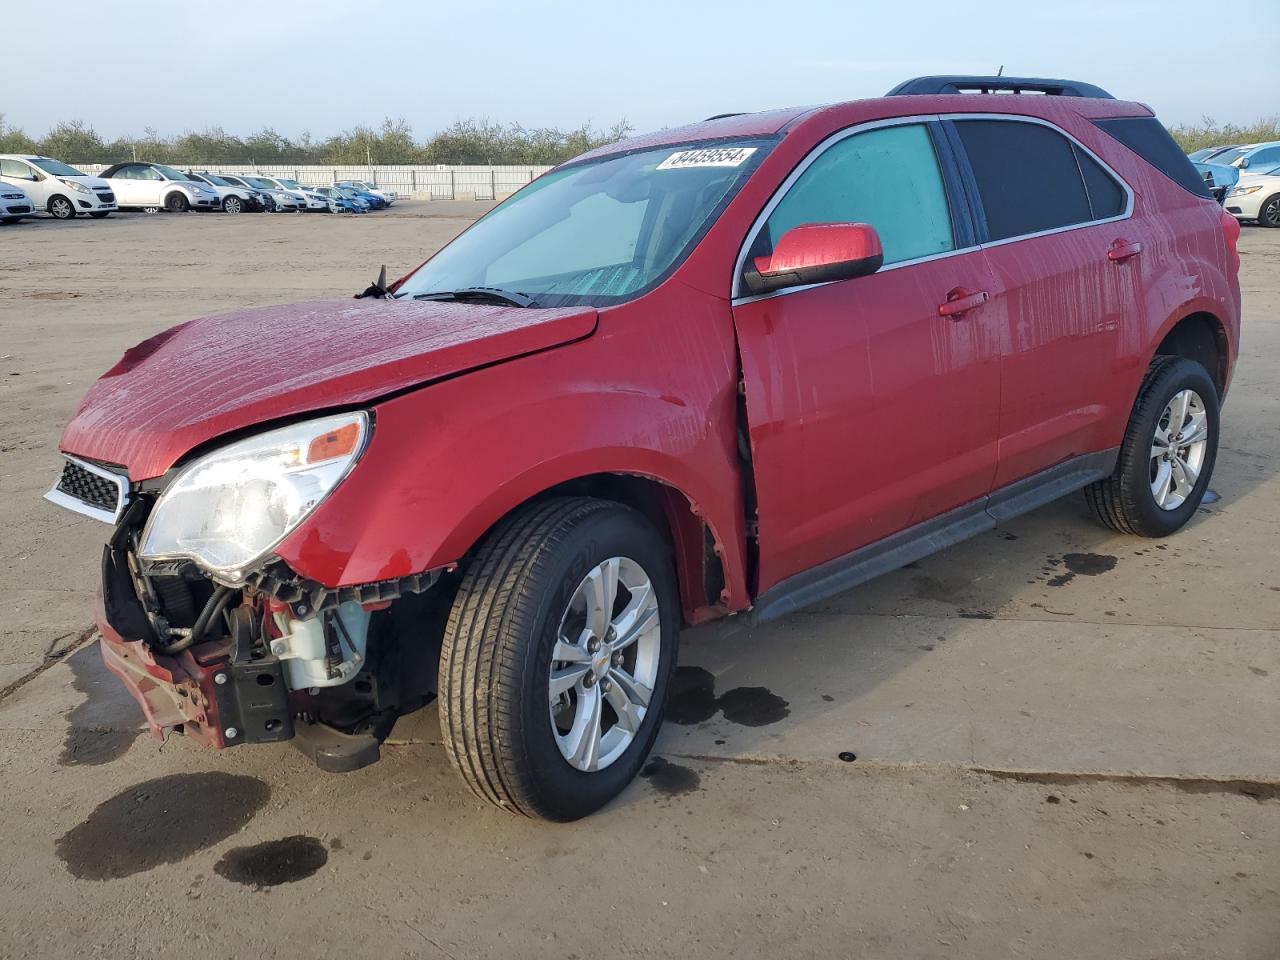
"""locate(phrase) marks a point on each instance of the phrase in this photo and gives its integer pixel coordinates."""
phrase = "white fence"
(437, 182)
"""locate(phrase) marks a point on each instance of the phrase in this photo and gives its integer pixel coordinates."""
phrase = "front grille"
(107, 196)
(91, 489)
(20, 209)
(11, 196)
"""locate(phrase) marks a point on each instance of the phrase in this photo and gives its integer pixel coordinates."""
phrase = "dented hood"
(221, 374)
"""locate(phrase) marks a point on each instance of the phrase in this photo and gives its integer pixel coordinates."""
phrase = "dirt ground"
(1051, 741)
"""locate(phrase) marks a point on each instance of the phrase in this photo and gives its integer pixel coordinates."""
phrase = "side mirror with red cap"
(816, 253)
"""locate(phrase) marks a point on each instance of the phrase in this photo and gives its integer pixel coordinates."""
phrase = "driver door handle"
(1122, 250)
(960, 301)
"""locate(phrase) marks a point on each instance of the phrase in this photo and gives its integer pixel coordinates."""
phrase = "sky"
(325, 65)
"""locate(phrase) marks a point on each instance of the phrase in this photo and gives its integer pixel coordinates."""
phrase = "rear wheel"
(60, 208)
(1167, 455)
(556, 658)
(177, 202)
(1269, 211)
(232, 204)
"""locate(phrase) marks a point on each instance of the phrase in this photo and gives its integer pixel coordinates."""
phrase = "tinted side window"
(1027, 177)
(888, 177)
(1147, 137)
(1106, 197)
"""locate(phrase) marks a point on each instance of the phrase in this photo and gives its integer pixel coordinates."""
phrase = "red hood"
(220, 374)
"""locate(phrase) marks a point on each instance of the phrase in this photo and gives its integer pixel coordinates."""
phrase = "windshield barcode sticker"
(707, 157)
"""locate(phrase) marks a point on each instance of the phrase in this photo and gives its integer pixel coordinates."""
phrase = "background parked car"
(235, 198)
(355, 197)
(155, 186)
(1220, 178)
(315, 202)
(284, 200)
(339, 203)
(53, 186)
(1257, 196)
(15, 204)
(264, 196)
(388, 197)
(1248, 155)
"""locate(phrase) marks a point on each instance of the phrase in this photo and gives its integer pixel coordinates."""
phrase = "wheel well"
(57, 196)
(693, 546)
(1199, 337)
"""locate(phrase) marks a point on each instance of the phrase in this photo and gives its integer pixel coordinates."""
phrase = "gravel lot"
(1067, 742)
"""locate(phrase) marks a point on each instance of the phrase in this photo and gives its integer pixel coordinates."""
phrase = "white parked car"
(15, 204)
(1257, 196)
(276, 200)
(155, 186)
(235, 197)
(315, 202)
(53, 186)
(285, 198)
(390, 196)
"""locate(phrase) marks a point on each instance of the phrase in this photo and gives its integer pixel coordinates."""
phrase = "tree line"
(465, 142)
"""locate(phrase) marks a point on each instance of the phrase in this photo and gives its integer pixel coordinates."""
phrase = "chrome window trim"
(737, 298)
(75, 505)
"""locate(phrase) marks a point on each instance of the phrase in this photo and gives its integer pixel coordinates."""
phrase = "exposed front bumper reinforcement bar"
(201, 691)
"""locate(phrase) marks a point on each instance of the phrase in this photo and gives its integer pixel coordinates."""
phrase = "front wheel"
(1167, 455)
(61, 208)
(177, 202)
(232, 205)
(557, 655)
(1269, 212)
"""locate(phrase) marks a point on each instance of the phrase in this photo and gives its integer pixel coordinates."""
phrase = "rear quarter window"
(1147, 137)
(1027, 176)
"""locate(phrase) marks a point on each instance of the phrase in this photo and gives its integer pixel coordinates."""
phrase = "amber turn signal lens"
(337, 443)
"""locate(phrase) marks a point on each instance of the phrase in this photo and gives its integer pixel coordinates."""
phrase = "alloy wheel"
(605, 664)
(1271, 212)
(1178, 449)
(61, 208)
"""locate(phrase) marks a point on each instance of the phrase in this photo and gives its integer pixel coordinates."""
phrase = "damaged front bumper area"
(277, 657)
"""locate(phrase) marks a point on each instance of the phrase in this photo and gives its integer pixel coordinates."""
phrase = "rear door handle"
(960, 301)
(1123, 249)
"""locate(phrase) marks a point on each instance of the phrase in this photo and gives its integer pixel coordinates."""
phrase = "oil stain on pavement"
(1084, 565)
(104, 726)
(274, 862)
(693, 700)
(670, 778)
(160, 821)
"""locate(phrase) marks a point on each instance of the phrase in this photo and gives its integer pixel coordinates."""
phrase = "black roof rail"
(963, 84)
(721, 116)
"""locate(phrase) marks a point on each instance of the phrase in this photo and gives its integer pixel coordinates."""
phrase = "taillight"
(1231, 230)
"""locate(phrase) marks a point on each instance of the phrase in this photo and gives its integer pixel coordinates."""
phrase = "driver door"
(869, 411)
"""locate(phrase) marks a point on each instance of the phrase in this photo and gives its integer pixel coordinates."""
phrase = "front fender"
(448, 461)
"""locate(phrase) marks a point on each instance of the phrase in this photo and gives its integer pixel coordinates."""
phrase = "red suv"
(724, 370)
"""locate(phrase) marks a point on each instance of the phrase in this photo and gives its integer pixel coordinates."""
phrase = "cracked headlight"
(230, 507)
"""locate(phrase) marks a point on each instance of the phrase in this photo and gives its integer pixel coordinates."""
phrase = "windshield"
(169, 173)
(594, 233)
(57, 168)
(1227, 156)
(220, 181)
(291, 184)
(262, 182)
(347, 192)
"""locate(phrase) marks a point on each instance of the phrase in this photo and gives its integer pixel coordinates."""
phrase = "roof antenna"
(1000, 72)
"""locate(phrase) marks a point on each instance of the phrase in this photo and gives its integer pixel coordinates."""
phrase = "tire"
(60, 208)
(232, 204)
(1126, 501)
(177, 202)
(100, 214)
(1269, 211)
(496, 658)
